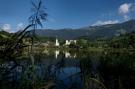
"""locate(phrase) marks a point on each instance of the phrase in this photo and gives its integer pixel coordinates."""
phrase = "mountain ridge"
(106, 31)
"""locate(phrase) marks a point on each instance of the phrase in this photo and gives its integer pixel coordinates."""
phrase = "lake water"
(69, 70)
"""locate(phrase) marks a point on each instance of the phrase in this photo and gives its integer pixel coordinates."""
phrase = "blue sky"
(67, 13)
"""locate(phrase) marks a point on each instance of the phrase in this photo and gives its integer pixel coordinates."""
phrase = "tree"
(38, 14)
(37, 17)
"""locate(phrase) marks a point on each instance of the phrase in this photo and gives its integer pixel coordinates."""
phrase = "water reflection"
(57, 52)
(66, 53)
(71, 70)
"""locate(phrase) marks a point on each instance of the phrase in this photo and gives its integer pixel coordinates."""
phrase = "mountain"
(4, 34)
(92, 32)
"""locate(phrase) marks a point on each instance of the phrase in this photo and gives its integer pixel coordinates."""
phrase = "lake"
(72, 69)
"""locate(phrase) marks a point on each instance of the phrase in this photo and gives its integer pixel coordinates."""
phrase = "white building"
(57, 43)
(68, 42)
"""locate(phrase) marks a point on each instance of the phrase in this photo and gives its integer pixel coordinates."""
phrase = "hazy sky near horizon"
(67, 13)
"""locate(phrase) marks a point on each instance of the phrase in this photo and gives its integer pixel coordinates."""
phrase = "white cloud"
(20, 26)
(98, 23)
(125, 8)
(126, 17)
(6, 27)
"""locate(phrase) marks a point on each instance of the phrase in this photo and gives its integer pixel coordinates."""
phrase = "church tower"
(57, 42)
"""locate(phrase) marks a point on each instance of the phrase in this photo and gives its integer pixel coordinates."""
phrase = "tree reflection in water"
(89, 70)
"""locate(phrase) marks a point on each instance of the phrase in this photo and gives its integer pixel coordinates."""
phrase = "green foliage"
(83, 43)
(123, 41)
